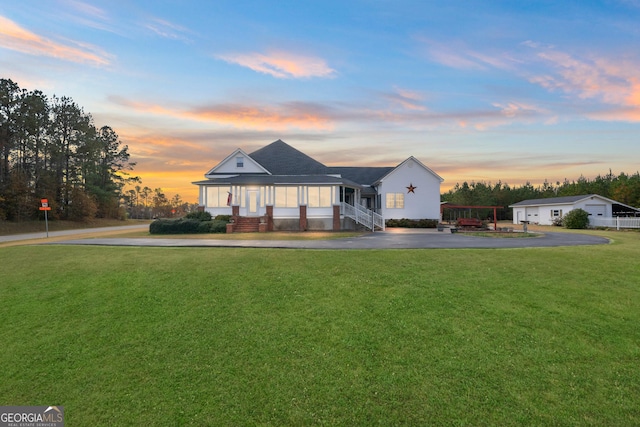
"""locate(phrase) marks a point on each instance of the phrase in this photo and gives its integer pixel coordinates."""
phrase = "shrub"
(199, 215)
(215, 226)
(186, 226)
(412, 223)
(557, 221)
(225, 218)
(576, 219)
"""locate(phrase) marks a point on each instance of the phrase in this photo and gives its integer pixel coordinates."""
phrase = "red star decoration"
(411, 188)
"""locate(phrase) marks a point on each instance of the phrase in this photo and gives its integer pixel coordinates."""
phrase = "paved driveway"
(43, 235)
(392, 239)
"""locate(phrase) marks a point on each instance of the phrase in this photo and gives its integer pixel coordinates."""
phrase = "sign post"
(45, 207)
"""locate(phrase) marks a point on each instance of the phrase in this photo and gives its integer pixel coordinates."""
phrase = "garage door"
(596, 210)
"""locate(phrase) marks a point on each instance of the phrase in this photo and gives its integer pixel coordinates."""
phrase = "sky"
(510, 91)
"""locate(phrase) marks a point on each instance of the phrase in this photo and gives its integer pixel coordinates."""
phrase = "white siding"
(543, 214)
(422, 203)
(230, 166)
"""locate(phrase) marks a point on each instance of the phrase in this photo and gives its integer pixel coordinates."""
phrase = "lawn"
(230, 336)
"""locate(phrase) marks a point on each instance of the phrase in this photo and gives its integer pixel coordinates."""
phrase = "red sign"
(45, 205)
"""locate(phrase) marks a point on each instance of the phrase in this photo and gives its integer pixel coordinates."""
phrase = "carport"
(461, 211)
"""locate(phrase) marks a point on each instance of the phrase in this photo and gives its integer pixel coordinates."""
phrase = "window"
(395, 200)
(286, 197)
(319, 197)
(555, 213)
(217, 196)
(239, 162)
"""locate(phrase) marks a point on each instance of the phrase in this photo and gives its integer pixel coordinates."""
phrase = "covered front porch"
(252, 214)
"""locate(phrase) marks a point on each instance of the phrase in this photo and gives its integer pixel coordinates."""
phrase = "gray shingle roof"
(280, 158)
(362, 175)
(553, 200)
(288, 165)
(257, 179)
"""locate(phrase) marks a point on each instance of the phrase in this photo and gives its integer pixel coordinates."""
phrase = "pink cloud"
(407, 99)
(614, 82)
(285, 116)
(14, 37)
(282, 65)
(514, 109)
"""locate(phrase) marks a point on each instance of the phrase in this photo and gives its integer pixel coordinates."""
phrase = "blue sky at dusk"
(477, 90)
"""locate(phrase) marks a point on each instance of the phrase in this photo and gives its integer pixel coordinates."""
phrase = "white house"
(544, 211)
(284, 189)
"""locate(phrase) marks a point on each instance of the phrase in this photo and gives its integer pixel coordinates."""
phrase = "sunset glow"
(478, 91)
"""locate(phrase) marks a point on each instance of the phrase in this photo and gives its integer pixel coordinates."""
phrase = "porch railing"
(615, 222)
(364, 216)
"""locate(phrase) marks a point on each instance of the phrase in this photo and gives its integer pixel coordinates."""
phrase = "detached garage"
(544, 211)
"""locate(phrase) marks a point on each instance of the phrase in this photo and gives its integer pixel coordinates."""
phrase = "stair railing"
(364, 216)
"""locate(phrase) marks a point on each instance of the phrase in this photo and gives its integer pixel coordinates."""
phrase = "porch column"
(303, 217)
(336, 217)
(235, 212)
(269, 217)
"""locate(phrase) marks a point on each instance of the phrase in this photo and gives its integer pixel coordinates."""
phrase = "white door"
(532, 215)
(596, 210)
(253, 201)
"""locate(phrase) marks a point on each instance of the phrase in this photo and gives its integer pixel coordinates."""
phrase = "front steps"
(246, 224)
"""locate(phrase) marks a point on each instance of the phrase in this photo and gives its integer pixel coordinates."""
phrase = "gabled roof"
(411, 158)
(227, 161)
(279, 162)
(280, 158)
(567, 200)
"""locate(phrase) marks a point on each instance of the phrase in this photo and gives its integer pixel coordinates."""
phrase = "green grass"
(226, 336)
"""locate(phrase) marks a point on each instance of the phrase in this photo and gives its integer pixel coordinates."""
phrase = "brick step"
(246, 229)
(246, 224)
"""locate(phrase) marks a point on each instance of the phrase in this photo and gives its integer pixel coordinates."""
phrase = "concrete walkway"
(391, 239)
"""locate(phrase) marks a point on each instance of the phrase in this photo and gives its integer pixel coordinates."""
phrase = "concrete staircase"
(246, 224)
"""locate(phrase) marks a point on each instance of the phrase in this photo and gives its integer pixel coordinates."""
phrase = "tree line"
(145, 203)
(51, 149)
(624, 188)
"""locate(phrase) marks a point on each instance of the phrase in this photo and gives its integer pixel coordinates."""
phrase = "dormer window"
(239, 162)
